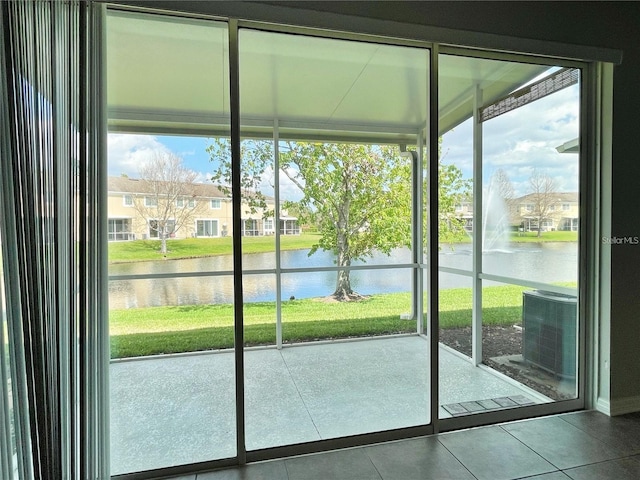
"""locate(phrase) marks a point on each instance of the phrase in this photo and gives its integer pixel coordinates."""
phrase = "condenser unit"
(549, 324)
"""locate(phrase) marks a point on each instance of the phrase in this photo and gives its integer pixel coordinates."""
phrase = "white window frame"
(208, 220)
(190, 202)
(217, 202)
(152, 231)
(127, 200)
(150, 201)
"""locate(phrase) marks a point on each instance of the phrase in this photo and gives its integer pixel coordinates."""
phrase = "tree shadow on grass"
(215, 338)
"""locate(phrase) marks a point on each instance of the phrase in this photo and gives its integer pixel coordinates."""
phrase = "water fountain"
(495, 220)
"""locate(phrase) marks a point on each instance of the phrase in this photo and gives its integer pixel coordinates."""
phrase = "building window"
(189, 202)
(250, 228)
(207, 228)
(216, 204)
(268, 224)
(552, 208)
(529, 207)
(150, 202)
(120, 230)
(127, 200)
(156, 230)
(289, 227)
(566, 207)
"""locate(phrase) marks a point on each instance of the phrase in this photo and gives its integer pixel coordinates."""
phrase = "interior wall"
(600, 24)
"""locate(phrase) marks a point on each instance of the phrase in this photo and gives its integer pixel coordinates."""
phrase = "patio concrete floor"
(176, 409)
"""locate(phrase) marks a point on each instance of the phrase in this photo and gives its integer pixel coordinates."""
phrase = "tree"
(503, 184)
(543, 195)
(170, 197)
(453, 189)
(500, 187)
(358, 196)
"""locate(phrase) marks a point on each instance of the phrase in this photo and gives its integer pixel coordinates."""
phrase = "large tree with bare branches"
(169, 199)
(543, 196)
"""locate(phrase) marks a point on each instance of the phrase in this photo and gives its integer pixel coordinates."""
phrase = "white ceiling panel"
(170, 75)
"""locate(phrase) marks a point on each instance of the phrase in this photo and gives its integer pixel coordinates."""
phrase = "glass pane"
(456, 198)
(530, 189)
(524, 144)
(168, 217)
(340, 182)
(149, 383)
(455, 313)
(530, 336)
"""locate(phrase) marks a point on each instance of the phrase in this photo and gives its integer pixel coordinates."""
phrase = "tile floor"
(579, 446)
(297, 394)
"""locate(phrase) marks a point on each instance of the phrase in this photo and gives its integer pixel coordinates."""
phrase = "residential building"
(556, 211)
(204, 211)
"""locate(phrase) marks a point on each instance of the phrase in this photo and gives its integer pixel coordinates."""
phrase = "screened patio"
(323, 390)
(169, 410)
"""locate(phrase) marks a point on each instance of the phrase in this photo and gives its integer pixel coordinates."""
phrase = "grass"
(145, 250)
(557, 236)
(156, 330)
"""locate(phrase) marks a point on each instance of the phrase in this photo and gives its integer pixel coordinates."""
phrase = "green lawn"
(149, 331)
(545, 237)
(143, 250)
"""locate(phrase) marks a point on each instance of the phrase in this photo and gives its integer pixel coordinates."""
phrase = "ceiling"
(168, 75)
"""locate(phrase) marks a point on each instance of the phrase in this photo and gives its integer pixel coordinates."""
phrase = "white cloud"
(127, 153)
(524, 139)
(288, 189)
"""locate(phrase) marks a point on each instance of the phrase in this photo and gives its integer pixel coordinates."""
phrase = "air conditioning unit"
(550, 326)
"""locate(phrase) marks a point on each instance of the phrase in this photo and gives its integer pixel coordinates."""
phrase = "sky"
(518, 142)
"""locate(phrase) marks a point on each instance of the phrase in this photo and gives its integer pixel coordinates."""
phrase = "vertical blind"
(52, 387)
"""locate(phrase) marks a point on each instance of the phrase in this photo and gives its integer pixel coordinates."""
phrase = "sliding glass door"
(171, 271)
(268, 223)
(333, 135)
(509, 276)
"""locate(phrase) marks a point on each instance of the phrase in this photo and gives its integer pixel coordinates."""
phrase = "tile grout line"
(561, 417)
(454, 456)
(364, 450)
(527, 446)
(286, 469)
(295, 384)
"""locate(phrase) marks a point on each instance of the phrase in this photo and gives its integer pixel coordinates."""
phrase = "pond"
(541, 262)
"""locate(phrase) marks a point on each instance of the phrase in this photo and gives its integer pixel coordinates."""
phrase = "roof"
(566, 197)
(124, 185)
(137, 186)
(168, 75)
(572, 146)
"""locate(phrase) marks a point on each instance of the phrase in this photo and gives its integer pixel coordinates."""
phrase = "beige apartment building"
(557, 211)
(202, 211)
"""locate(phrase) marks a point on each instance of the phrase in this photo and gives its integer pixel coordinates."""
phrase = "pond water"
(541, 262)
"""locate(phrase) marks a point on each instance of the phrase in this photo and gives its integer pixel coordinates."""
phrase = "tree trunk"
(163, 241)
(343, 292)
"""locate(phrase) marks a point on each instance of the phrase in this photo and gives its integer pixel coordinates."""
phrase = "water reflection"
(548, 262)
